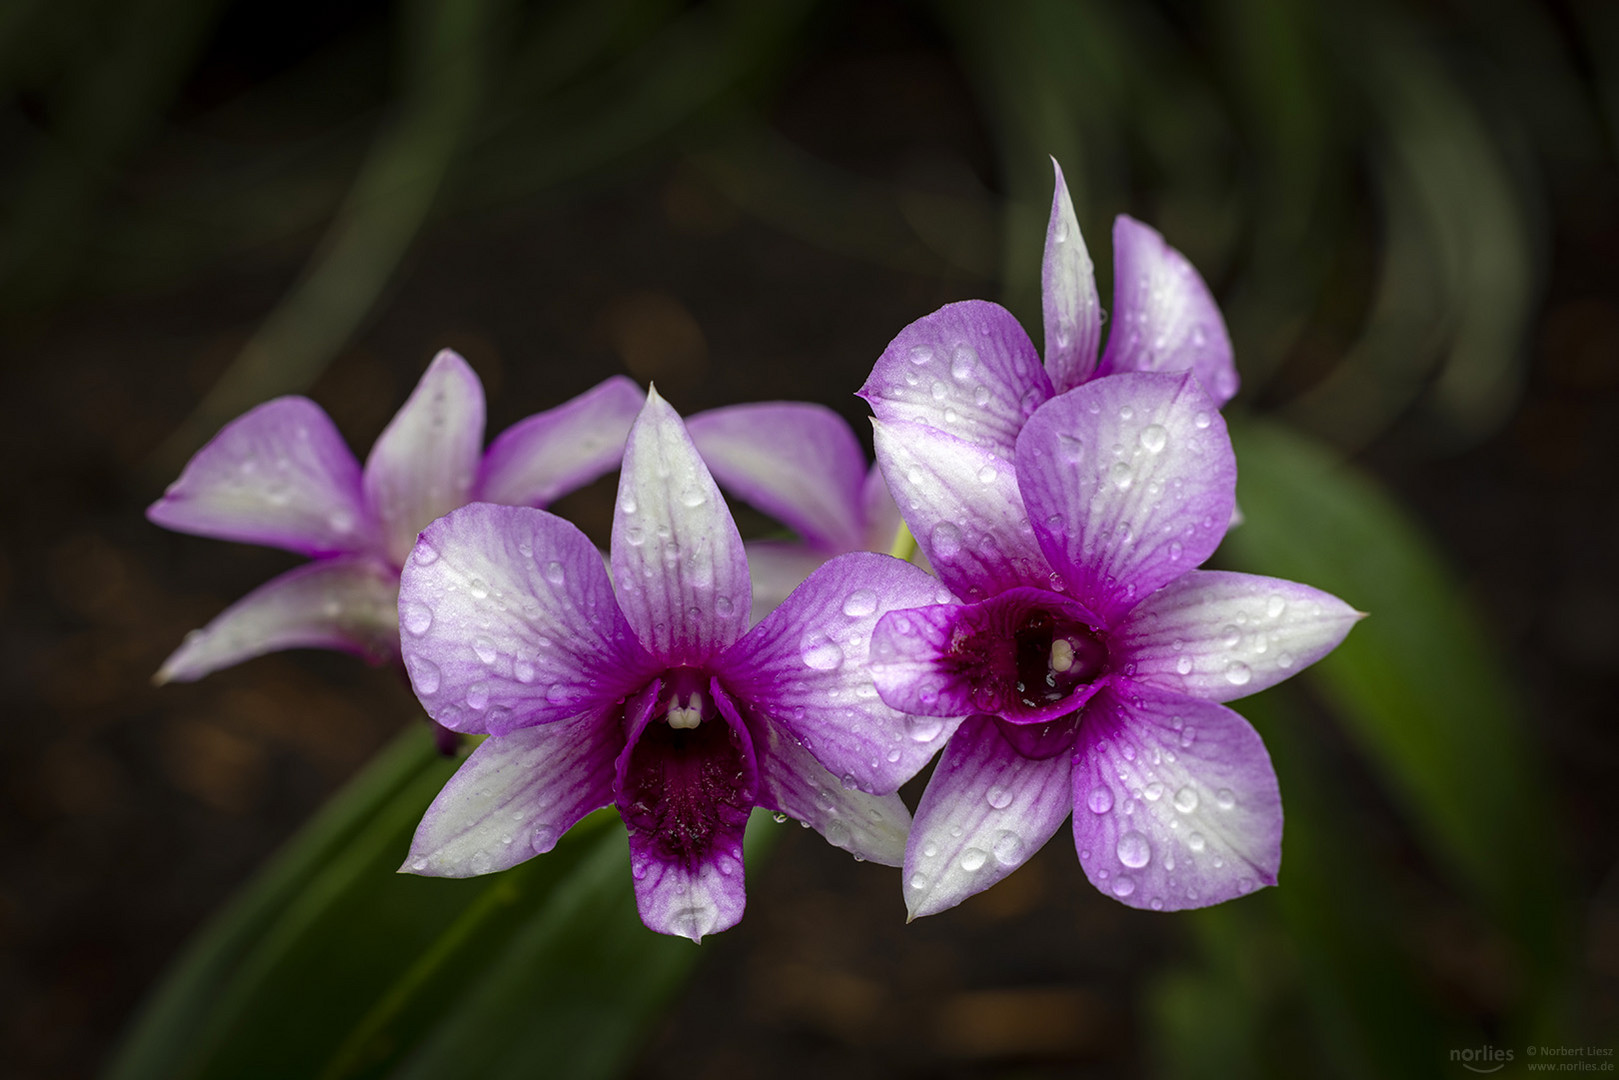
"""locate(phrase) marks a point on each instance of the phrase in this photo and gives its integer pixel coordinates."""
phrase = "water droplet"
(919, 881)
(999, 798)
(416, 617)
(523, 671)
(1126, 413)
(820, 653)
(962, 361)
(1154, 438)
(1202, 420)
(1225, 798)
(1183, 666)
(1153, 791)
(921, 354)
(1195, 841)
(1008, 848)
(1237, 673)
(1186, 799)
(692, 497)
(477, 696)
(485, 649)
(1100, 800)
(425, 553)
(987, 474)
(973, 858)
(860, 603)
(635, 536)
(1284, 660)
(946, 540)
(1274, 606)
(981, 395)
(1175, 551)
(558, 694)
(554, 573)
(477, 588)
(924, 729)
(837, 834)
(424, 674)
(419, 864)
(894, 756)
(1133, 850)
(939, 390)
(1121, 475)
(1123, 886)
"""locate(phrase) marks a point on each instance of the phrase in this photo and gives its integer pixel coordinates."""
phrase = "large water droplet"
(1154, 437)
(921, 354)
(1008, 848)
(424, 674)
(1195, 841)
(919, 881)
(1133, 850)
(477, 696)
(523, 671)
(946, 540)
(1100, 800)
(987, 474)
(1225, 798)
(962, 361)
(820, 653)
(485, 649)
(1183, 666)
(860, 603)
(1186, 799)
(973, 858)
(692, 497)
(999, 798)
(1121, 475)
(924, 729)
(1237, 673)
(1123, 886)
(554, 573)
(415, 617)
(1274, 606)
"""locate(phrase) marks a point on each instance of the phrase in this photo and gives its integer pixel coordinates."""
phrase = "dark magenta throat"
(1029, 660)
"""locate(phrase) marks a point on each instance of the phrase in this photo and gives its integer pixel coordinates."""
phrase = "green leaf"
(1417, 685)
(331, 964)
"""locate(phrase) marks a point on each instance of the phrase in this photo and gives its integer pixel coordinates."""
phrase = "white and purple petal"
(1218, 635)
(425, 462)
(1164, 318)
(678, 561)
(685, 795)
(516, 795)
(968, 369)
(1129, 482)
(795, 461)
(805, 669)
(279, 475)
(963, 505)
(1072, 311)
(543, 457)
(986, 810)
(507, 619)
(1175, 801)
(349, 603)
(792, 782)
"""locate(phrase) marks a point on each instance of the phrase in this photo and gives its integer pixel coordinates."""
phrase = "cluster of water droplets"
(1253, 637)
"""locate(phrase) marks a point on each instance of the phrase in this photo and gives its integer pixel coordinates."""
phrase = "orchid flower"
(1089, 656)
(648, 691)
(281, 475)
(970, 369)
(799, 463)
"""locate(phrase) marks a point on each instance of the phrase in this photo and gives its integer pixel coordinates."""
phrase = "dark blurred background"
(1408, 208)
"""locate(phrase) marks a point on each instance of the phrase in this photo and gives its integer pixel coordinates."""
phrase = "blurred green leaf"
(333, 965)
(1418, 687)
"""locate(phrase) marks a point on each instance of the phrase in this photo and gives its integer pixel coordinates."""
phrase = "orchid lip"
(1032, 657)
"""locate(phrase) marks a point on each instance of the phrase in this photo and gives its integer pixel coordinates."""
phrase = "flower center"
(1055, 656)
(1028, 657)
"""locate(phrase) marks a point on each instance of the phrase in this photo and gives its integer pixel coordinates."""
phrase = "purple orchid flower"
(801, 464)
(1090, 656)
(970, 369)
(644, 691)
(281, 475)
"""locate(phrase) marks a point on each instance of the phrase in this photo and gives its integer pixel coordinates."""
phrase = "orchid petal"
(964, 508)
(1175, 802)
(348, 603)
(279, 475)
(1217, 635)
(911, 665)
(685, 796)
(677, 558)
(986, 810)
(507, 619)
(882, 517)
(777, 568)
(805, 668)
(1072, 310)
(792, 782)
(968, 369)
(516, 795)
(540, 459)
(424, 463)
(795, 461)
(1129, 483)
(1164, 318)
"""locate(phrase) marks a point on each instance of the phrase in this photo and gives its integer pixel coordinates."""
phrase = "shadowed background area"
(1409, 212)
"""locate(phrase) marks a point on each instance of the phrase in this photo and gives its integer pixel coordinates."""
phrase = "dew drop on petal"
(724, 607)
(820, 653)
(1186, 799)
(946, 540)
(962, 361)
(1275, 606)
(999, 798)
(921, 354)
(554, 573)
(425, 553)
(973, 858)
(1008, 848)
(981, 395)
(1123, 886)
(1121, 475)
(860, 603)
(1183, 666)
(1133, 850)
(987, 474)
(485, 649)
(416, 617)
(1195, 841)
(1100, 800)
(1202, 420)
(557, 694)
(477, 696)
(692, 497)
(1154, 438)
(477, 588)
(424, 673)
(1153, 791)
(1225, 799)
(919, 881)
(1237, 673)
(923, 729)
